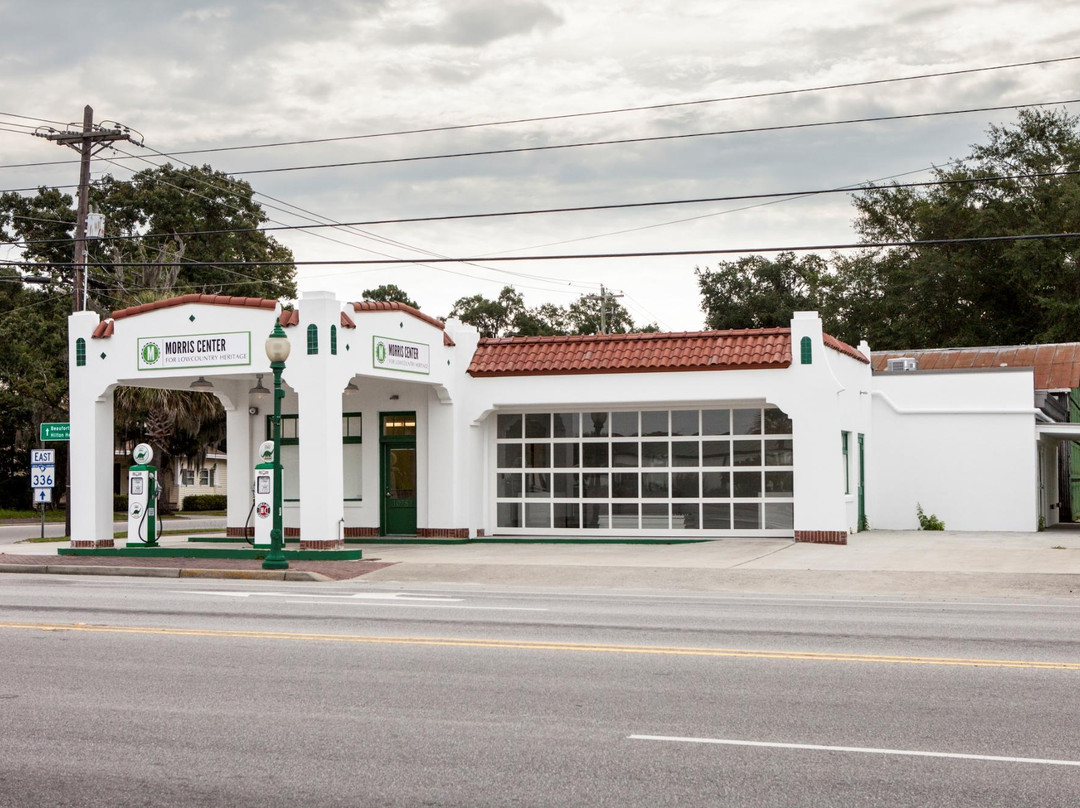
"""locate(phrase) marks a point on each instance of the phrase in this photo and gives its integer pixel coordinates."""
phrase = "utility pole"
(603, 297)
(87, 142)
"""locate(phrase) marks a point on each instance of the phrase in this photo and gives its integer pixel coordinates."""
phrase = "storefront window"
(719, 469)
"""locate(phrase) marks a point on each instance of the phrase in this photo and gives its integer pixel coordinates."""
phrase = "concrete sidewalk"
(902, 563)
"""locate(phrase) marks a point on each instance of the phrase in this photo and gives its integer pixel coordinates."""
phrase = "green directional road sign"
(56, 432)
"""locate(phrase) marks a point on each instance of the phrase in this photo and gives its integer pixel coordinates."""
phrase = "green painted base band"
(484, 540)
(209, 552)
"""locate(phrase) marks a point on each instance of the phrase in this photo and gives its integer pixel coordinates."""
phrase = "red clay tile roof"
(841, 346)
(380, 305)
(747, 349)
(213, 300)
(290, 317)
(1057, 366)
(103, 330)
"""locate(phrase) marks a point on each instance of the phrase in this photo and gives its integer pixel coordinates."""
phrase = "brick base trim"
(92, 543)
(322, 544)
(239, 532)
(442, 533)
(480, 534)
(292, 533)
(822, 536)
(361, 533)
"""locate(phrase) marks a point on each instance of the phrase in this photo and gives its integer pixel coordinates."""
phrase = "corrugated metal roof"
(1056, 365)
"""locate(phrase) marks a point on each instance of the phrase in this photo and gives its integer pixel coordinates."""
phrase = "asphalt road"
(164, 692)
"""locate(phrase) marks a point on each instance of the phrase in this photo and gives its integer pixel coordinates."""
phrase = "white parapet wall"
(961, 444)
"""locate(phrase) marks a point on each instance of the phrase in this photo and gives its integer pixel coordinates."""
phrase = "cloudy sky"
(249, 72)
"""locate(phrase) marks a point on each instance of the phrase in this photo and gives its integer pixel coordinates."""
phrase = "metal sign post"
(42, 478)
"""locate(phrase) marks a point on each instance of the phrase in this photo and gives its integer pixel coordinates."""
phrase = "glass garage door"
(644, 471)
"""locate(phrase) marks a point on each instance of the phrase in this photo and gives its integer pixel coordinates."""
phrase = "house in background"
(189, 478)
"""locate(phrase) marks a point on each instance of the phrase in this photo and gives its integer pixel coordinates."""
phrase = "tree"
(508, 316)
(986, 293)
(757, 292)
(175, 222)
(584, 317)
(975, 293)
(186, 220)
(390, 293)
(176, 423)
(492, 318)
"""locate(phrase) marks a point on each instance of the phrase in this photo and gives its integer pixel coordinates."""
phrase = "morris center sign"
(195, 351)
(400, 355)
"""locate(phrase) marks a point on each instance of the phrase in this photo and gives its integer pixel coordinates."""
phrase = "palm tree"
(178, 424)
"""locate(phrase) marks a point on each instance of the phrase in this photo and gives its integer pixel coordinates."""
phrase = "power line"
(595, 113)
(651, 139)
(47, 120)
(651, 254)
(777, 195)
(336, 225)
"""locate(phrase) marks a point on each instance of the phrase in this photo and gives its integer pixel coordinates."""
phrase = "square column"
(820, 515)
(92, 458)
(239, 453)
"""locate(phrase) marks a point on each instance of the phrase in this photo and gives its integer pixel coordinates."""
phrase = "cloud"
(481, 23)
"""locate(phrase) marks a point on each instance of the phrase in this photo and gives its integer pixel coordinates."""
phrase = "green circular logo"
(380, 352)
(150, 353)
(142, 454)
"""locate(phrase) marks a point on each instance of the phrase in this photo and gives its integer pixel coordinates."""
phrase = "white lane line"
(384, 596)
(857, 749)
(424, 606)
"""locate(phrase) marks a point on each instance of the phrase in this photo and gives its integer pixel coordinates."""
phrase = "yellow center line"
(528, 645)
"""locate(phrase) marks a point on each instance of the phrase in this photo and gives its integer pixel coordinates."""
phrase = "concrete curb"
(166, 572)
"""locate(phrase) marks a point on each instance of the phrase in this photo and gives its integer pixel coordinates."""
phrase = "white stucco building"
(398, 425)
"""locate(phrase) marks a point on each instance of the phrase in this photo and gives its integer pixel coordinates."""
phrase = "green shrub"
(205, 502)
(120, 503)
(930, 522)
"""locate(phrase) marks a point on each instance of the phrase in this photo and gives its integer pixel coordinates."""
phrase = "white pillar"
(236, 401)
(447, 512)
(820, 515)
(319, 380)
(90, 408)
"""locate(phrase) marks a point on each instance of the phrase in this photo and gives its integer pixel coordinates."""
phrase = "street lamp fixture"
(277, 351)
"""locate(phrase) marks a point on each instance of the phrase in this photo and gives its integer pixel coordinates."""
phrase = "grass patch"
(11, 514)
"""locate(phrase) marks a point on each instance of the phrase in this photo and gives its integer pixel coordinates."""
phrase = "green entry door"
(398, 445)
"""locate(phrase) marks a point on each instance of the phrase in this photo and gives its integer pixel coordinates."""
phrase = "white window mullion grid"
(540, 510)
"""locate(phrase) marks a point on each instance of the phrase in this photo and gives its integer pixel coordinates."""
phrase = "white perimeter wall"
(962, 444)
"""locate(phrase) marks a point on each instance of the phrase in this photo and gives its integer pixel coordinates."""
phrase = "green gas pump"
(142, 499)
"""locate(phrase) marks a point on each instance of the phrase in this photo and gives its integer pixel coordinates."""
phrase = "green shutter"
(847, 465)
(312, 339)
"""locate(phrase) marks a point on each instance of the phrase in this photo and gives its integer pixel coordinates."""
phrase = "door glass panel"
(403, 473)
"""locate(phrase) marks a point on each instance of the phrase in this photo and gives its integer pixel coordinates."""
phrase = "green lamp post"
(277, 351)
